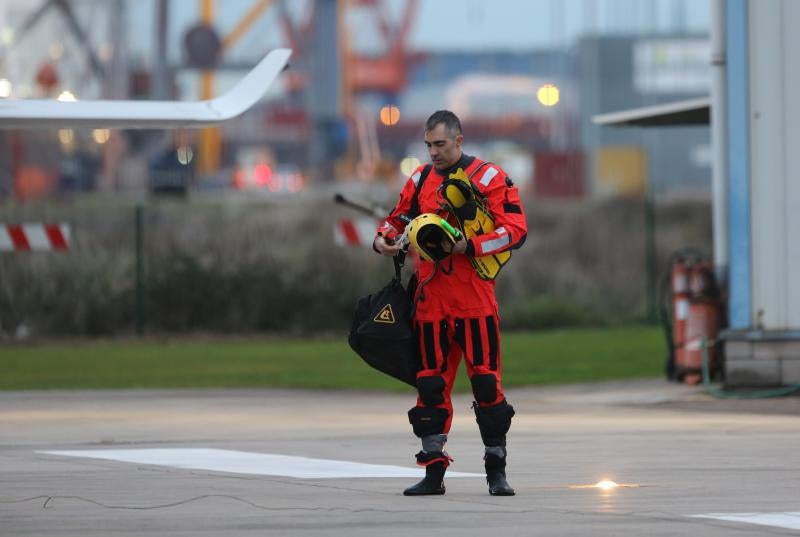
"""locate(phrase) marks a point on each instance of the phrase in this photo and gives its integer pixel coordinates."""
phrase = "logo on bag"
(386, 315)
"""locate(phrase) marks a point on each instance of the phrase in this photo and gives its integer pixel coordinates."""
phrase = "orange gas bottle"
(704, 322)
(679, 290)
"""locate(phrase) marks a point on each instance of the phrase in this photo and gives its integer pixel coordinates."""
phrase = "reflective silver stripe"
(488, 247)
(488, 176)
(416, 177)
(434, 442)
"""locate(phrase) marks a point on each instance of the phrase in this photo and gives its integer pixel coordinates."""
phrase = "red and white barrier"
(34, 237)
(348, 232)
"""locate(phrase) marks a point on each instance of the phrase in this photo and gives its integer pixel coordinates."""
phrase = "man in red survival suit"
(456, 310)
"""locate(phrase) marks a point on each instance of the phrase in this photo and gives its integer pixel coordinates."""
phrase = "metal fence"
(182, 266)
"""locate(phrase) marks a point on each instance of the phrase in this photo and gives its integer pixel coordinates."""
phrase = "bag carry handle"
(399, 261)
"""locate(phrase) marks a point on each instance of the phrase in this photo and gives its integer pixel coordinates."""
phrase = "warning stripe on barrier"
(34, 237)
(348, 232)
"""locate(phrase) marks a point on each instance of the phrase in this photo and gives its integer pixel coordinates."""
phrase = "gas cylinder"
(703, 323)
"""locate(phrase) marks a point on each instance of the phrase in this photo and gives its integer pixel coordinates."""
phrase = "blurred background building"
(364, 76)
(234, 229)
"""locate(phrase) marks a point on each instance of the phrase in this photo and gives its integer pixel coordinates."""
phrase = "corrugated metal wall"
(775, 161)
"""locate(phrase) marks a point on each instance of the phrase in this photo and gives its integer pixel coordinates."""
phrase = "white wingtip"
(34, 113)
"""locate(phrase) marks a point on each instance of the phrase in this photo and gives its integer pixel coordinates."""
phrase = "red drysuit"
(456, 311)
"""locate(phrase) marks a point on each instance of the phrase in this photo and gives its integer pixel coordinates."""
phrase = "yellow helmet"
(428, 233)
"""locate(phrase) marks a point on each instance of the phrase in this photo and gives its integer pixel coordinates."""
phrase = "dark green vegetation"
(270, 266)
(552, 357)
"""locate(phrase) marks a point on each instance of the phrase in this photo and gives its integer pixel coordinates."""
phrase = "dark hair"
(452, 124)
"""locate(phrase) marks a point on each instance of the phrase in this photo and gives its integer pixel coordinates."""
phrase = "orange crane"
(387, 73)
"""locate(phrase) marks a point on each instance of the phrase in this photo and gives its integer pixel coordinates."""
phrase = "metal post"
(323, 92)
(161, 87)
(139, 269)
(719, 127)
(210, 138)
(650, 251)
(120, 64)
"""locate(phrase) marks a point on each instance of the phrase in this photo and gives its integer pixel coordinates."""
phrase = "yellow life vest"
(461, 198)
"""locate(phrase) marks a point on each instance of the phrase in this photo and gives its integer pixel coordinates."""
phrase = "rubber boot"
(432, 484)
(496, 475)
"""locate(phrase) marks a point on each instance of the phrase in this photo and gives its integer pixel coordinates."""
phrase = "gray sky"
(443, 25)
(451, 24)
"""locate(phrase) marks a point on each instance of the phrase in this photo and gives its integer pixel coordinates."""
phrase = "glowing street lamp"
(408, 165)
(390, 115)
(548, 94)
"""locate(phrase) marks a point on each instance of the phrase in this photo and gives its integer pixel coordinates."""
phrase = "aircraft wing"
(48, 113)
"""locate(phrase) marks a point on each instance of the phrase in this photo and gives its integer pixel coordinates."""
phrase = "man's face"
(443, 149)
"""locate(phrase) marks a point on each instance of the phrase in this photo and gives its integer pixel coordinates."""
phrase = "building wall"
(762, 346)
(775, 162)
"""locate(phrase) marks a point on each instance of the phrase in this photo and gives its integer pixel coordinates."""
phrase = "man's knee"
(431, 390)
(494, 422)
(484, 388)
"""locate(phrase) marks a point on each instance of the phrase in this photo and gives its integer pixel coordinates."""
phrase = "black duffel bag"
(382, 332)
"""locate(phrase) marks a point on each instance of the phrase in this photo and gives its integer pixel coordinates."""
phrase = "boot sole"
(502, 493)
(432, 493)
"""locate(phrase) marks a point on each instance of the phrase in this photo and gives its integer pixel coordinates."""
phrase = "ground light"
(606, 485)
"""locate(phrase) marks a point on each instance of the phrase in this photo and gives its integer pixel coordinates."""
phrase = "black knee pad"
(427, 420)
(484, 387)
(431, 390)
(494, 422)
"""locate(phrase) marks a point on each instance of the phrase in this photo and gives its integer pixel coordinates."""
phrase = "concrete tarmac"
(680, 452)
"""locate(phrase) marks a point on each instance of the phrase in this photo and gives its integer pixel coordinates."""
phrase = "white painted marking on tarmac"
(242, 462)
(789, 520)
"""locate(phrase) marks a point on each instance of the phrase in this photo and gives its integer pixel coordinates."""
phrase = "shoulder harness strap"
(478, 168)
(414, 210)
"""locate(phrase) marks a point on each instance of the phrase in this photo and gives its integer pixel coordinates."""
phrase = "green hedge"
(271, 266)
